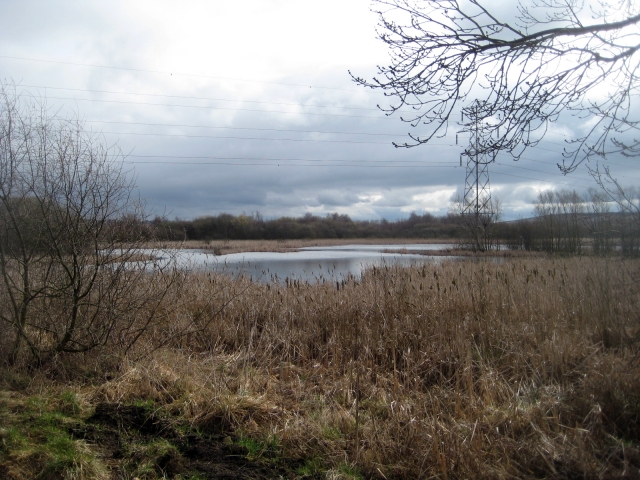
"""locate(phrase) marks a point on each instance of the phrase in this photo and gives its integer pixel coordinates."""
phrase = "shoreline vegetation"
(563, 222)
(226, 247)
(526, 368)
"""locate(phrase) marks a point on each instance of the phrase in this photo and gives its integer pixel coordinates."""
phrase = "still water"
(311, 264)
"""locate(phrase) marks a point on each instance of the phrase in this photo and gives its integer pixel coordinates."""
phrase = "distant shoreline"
(225, 247)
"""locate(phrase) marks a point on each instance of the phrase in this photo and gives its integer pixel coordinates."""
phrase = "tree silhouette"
(527, 67)
(72, 277)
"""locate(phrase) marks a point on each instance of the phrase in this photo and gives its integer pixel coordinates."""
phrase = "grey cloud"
(337, 199)
(277, 177)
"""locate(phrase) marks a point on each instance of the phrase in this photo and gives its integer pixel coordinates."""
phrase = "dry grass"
(463, 252)
(524, 368)
(501, 368)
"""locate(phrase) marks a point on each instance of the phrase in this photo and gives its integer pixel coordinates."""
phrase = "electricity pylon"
(477, 191)
(477, 207)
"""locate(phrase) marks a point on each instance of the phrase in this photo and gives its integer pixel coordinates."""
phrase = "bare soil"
(114, 428)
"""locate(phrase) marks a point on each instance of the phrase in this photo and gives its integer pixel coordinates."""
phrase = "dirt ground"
(115, 429)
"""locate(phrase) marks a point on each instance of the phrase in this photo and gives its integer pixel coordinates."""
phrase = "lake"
(310, 264)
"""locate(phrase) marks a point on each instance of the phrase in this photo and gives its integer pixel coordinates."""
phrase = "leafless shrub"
(71, 229)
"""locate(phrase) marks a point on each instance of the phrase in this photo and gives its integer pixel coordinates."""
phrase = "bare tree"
(599, 222)
(71, 272)
(626, 226)
(478, 230)
(571, 210)
(559, 217)
(528, 67)
(546, 212)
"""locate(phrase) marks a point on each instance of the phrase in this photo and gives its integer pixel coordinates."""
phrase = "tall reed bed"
(487, 369)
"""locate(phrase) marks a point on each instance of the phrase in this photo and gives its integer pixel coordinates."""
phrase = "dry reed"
(516, 368)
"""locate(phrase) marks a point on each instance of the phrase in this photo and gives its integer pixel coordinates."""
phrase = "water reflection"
(310, 264)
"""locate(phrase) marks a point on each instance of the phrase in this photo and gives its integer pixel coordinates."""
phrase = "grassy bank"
(521, 368)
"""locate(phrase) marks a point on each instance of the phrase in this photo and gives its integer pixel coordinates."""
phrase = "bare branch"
(550, 57)
(71, 232)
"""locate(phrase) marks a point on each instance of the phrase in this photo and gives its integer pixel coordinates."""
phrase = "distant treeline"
(566, 222)
(563, 222)
(333, 225)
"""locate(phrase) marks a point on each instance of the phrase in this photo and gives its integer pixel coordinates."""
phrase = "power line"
(207, 157)
(300, 131)
(542, 171)
(197, 98)
(607, 162)
(121, 102)
(556, 163)
(254, 110)
(538, 179)
(142, 70)
(271, 103)
(287, 165)
(334, 162)
(242, 128)
(227, 100)
(247, 161)
(560, 153)
(246, 138)
(259, 138)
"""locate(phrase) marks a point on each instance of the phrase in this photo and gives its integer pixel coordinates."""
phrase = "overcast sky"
(248, 107)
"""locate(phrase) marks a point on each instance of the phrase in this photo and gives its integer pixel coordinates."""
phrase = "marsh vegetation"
(524, 368)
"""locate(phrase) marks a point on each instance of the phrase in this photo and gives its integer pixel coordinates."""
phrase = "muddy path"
(137, 441)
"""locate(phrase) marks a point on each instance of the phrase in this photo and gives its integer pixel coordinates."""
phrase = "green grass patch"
(144, 459)
(69, 403)
(332, 433)
(311, 467)
(35, 442)
(349, 471)
(260, 447)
